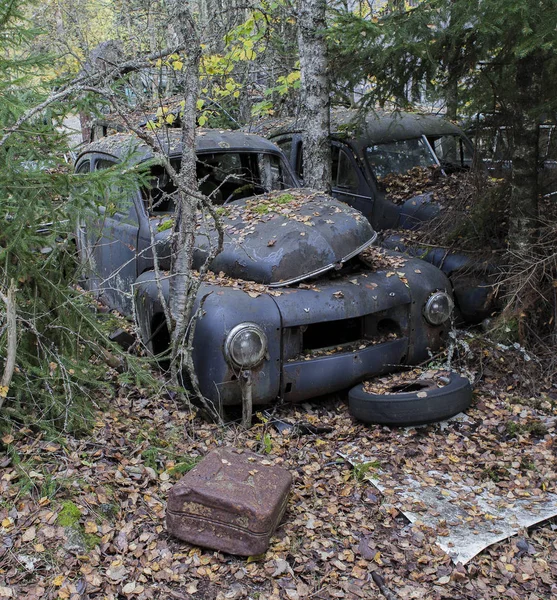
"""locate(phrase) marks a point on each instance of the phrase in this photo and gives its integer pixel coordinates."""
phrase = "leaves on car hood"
(284, 236)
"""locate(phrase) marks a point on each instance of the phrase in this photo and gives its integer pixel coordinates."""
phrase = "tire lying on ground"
(411, 401)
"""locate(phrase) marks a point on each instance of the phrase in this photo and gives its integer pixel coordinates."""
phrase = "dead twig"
(380, 583)
(11, 323)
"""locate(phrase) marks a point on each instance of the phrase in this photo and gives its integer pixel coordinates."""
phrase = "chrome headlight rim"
(430, 302)
(229, 352)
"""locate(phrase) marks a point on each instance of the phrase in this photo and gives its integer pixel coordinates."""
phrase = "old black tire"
(408, 408)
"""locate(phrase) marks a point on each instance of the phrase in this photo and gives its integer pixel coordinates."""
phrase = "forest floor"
(85, 518)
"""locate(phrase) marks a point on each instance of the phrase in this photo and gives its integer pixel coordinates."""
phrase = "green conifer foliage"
(59, 354)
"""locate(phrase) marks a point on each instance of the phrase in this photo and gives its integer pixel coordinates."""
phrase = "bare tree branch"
(9, 301)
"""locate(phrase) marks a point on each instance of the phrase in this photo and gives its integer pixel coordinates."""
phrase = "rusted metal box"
(231, 501)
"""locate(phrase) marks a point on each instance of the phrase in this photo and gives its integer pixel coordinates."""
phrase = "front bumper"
(326, 374)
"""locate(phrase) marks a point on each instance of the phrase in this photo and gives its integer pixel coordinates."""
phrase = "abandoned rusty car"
(299, 296)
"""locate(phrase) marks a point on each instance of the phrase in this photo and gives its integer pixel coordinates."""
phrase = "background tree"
(53, 350)
(490, 57)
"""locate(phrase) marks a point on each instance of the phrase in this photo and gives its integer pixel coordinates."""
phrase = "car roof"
(363, 129)
(120, 145)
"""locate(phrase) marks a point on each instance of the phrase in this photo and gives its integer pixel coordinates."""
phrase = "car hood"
(280, 238)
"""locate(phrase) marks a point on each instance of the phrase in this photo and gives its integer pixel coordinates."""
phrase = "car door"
(348, 182)
(115, 231)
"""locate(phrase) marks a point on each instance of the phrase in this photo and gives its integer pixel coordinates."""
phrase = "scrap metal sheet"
(467, 519)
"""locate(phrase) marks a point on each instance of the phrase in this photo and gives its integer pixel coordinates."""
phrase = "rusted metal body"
(291, 275)
(231, 501)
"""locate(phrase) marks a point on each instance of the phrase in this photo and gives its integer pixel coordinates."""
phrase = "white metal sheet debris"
(466, 519)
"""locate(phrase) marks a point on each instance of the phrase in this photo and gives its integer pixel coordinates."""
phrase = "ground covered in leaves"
(84, 518)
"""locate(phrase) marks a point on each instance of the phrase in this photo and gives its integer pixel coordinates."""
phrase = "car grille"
(345, 335)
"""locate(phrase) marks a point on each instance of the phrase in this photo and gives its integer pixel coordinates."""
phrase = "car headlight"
(438, 308)
(246, 345)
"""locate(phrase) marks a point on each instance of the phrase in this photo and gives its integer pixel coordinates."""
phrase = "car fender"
(417, 210)
(220, 308)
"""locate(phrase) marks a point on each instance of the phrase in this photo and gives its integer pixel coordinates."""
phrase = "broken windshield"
(399, 157)
(223, 177)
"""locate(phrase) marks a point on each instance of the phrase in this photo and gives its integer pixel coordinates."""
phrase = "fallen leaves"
(407, 380)
(29, 535)
(337, 529)
(379, 259)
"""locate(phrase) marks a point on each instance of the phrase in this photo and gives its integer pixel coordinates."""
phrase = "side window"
(117, 199)
(299, 166)
(343, 172)
(103, 163)
(285, 144)
(159, 196)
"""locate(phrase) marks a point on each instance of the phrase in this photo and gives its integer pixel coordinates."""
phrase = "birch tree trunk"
(185, 32)
(315, 101)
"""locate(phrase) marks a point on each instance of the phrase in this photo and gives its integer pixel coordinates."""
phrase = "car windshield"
(223, 177)
(399, 157)
(452, 151)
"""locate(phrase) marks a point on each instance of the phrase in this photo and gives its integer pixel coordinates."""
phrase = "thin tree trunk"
(11, 349)
(451, 94)
(315, 94)
(186, 201)
(525, 155)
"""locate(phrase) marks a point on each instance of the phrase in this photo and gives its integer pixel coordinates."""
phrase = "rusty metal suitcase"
(230, 501)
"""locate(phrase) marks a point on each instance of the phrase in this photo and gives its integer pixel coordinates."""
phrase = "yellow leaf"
(91, 527)
(177, 65)
(58, 580)
(255, 558)
(151, 125)
(292, 77)
(202, 120)
(7, 523)
(4, 391)
(8, 438)
(170, 119)
(199, 104)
